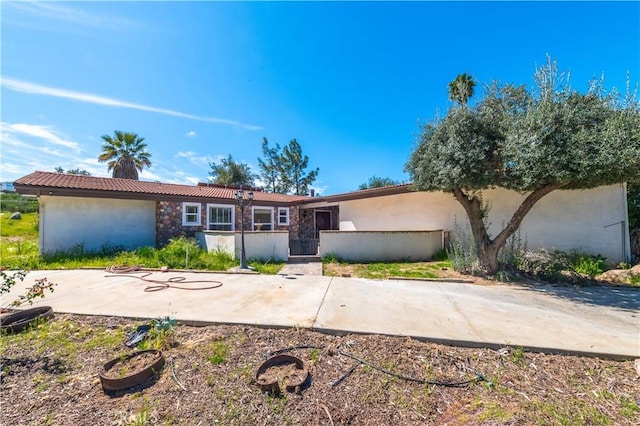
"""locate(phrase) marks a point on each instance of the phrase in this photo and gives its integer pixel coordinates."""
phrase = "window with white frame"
(190, 214)
(220, 217)
(262, 218)
(283, 216)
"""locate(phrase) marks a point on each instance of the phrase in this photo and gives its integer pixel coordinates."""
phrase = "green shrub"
(462, 252)
(543, 264)
(180, 253)
(586, 264)
(18, 203)
(440, 256)
(512, 252)
(217, 261)
(147, 253)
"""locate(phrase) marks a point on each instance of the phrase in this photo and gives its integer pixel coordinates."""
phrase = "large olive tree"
(533, 141)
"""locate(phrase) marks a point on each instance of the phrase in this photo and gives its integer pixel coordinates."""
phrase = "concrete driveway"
(596, 321)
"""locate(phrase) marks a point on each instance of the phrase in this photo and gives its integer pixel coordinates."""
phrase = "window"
(220, 217)
(283, 215)
(190, 214)
(263, 218)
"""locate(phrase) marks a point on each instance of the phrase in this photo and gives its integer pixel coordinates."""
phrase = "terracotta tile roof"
(49, 181)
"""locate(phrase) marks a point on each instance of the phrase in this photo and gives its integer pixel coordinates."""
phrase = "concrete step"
(304, 259)
(301, 268)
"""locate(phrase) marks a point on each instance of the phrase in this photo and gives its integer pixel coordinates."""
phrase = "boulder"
(619, 275)
(16, 215)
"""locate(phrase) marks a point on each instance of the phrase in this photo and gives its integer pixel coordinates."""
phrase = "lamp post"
(243, 202)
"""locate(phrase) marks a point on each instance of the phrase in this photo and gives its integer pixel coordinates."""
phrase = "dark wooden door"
(323, 222)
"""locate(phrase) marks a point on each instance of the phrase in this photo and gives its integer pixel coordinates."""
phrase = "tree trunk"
(486, 247)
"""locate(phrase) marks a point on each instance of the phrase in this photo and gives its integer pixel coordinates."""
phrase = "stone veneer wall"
(294, 222)
(306, 222)
(169, 222)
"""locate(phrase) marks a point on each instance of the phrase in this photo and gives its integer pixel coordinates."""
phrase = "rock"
(616, 275)
(16, 215)
(636, 269)
(636, 363)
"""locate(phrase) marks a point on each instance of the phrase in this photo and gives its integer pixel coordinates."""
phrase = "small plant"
(517, 355)
(462, 252)
(219, 351)
(161, 335)
(513, 250)
(624, 265)
(315, 356)
(10, 279)
(503, 276)
(440, 256)
(331, 258)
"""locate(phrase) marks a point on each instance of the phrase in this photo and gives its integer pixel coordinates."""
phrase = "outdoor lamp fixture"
(243, 202)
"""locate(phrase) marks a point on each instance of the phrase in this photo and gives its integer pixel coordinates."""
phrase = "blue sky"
(351, 81)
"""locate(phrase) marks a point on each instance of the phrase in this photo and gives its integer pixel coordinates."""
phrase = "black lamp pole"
(242, 202)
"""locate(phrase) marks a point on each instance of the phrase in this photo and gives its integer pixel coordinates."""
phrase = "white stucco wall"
(95, 222)
(217, 241)
(264, 245)
(588, 220)
(381, 245)
(258, 245)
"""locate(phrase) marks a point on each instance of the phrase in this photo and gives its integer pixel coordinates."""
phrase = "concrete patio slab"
(597, 321)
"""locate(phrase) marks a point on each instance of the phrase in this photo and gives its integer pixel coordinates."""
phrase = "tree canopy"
(76, 171)
(377, 182)
(231, 173)
(125, 153)
(284, 171)
(532, 141)
(271, 168)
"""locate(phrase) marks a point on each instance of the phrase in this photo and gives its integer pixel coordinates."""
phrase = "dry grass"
(50, 376)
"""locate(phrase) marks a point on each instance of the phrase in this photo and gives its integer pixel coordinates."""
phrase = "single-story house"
(393, 222)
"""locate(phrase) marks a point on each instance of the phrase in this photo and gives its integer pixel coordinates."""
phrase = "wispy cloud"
(197, 159)
(45, 133)
(191, 133)
(29, 147)
(72, 17)
(38, 89)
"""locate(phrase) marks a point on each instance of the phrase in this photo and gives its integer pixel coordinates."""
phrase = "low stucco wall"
(217, 241)
(95, 223)
(264, 245)
(365, 246)
(590, 220)
(258, 245)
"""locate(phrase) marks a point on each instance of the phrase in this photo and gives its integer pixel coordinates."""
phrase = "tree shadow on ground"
(619, 297)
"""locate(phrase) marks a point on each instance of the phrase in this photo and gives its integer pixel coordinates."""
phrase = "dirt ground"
(50, 376)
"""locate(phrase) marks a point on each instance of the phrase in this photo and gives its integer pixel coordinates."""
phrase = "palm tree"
(125, 153)
(461, 89)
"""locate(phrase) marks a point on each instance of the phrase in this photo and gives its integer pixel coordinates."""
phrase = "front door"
(323, 222)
